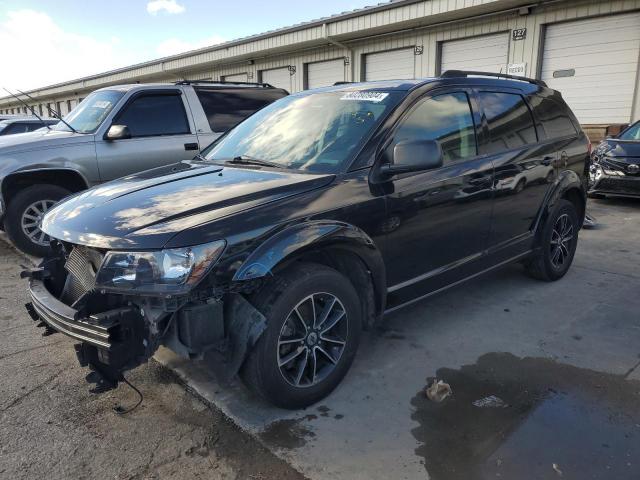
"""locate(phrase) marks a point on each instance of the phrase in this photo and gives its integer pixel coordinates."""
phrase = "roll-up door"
(278, 77)
(238, 77)
(488, 53)
(594, 64)
(322, 74)
(390, 65)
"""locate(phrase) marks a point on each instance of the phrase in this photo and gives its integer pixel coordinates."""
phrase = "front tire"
(558, 245)
(24, 213)
(314, 321)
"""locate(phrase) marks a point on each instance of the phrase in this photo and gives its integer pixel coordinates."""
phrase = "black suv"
(308, 221)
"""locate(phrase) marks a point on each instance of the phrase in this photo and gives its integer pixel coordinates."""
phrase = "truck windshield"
(91, 112)
(319, 132)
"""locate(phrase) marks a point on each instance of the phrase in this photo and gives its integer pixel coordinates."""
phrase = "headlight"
(170, 271)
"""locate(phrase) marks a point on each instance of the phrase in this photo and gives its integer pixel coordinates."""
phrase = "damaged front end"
(121, 306)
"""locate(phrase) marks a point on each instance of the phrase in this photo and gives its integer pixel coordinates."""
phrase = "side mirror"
(414, 156)
(117, 132)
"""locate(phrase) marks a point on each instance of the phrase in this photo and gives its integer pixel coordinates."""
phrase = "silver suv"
(114, 132)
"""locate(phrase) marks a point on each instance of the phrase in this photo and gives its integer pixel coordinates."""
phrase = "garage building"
(587, 49)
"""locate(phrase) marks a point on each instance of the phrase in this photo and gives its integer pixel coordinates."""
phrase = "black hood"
(144, 211)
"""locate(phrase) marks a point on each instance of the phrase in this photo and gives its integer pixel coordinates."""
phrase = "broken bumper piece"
(111, 341)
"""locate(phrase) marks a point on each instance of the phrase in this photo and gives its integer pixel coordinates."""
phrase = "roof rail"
(342, 82)
(467, 73)
(223, 82)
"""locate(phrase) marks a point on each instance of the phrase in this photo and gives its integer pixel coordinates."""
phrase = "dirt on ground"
(52, 427)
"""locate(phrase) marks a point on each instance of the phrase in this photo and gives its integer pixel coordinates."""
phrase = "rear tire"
(558, 245)
(297, 362)
(24, 213)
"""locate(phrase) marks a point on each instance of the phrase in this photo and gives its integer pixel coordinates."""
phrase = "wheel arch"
(569, 186)
(339, 245)
(67, 178)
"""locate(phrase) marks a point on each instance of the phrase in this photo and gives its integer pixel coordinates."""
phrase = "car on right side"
(615, 165)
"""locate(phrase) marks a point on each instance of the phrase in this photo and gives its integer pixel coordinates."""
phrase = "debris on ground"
(490, 402)
(438, 391)
(557, 469)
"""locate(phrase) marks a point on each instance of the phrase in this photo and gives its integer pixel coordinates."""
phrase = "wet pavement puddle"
(556, 421)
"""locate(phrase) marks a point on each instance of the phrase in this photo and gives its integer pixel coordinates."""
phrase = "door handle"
(546, 161)
(191, 146)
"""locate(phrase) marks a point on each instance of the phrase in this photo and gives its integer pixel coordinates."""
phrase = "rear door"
(161, 133)
(439, 220)
(525, 168)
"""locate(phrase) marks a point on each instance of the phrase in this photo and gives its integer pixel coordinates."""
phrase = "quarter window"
(553, 117)
(509, 120)
(151, 115)
(445, 118)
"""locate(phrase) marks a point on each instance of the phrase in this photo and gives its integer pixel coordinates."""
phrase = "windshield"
(631, 133)
(90, 113)
(318, 132)
(3, 124)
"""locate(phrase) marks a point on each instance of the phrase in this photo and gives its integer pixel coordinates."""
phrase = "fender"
(299, 238)
(567, 180)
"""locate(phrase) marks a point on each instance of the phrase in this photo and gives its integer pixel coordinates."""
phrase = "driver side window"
(446, 118)
(152, 115)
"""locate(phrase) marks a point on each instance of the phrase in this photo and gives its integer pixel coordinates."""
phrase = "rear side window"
(552, 117)
(16, 128)
(445, 118)
(151, 115)
(226, 108)
(509, 120)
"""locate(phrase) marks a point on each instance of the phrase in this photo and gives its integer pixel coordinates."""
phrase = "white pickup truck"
(113, 132)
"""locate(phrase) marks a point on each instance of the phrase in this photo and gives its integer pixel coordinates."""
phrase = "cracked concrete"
(51, 427)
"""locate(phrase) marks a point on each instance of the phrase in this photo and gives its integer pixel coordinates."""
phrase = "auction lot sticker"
(365, 96)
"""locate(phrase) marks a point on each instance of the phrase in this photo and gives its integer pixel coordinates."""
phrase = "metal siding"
(393, 64)
(322, 74)
(603, 52)
(488, 53)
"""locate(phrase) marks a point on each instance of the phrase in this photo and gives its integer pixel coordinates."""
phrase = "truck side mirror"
(414, 156)
(117, 132)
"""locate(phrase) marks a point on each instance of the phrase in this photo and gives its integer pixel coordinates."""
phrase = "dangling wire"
(123, 411)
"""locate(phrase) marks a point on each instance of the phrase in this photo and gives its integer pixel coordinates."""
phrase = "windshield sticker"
(102, 104)
(365, 96)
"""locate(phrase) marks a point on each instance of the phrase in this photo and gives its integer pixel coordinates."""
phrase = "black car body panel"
(398, 237)
(615, 165)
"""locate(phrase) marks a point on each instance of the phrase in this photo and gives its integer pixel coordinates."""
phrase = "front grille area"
(621, 185)
(82, 266)
(620, 165)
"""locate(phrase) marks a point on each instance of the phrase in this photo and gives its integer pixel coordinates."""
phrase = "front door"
(160, 134)
(439, 220)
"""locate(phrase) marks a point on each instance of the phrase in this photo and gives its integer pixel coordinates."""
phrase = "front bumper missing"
(613, 182)
(111, 341)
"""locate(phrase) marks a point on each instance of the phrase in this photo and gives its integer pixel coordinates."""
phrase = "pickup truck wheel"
(313, 329)
(558, 246)
(24, 213)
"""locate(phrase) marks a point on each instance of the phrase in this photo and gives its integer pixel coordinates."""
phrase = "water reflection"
(585, 422)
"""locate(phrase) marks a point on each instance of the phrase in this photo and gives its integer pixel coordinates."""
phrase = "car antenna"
(51, 111)
(31, 109)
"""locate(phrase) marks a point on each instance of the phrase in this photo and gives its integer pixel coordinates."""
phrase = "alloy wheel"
(30, 221)
(312, 340)
(561, 239)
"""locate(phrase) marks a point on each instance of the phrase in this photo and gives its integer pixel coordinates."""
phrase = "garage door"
(488, 53)
(594, 63)
(278, 77)
(321, 74)
(238, 77)
(391, 65)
